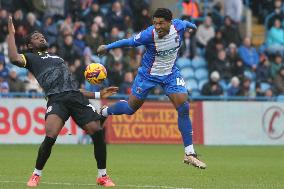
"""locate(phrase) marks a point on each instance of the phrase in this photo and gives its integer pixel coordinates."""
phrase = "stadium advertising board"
(22, 121)
(154, 122)
(248, 123)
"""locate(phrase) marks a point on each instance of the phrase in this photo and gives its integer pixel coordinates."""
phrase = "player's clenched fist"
(102, 49)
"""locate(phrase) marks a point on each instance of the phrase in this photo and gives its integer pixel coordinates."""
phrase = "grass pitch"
(147, 166)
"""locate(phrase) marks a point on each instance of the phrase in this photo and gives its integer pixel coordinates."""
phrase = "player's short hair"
(28, 38)
(163, 13)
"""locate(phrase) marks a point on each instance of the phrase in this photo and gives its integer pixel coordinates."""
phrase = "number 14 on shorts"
(180, 81)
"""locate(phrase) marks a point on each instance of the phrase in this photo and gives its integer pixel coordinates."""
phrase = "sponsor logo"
(50, 56)
(139, 90)
(273, 122)
(167, 52)
(49, 109)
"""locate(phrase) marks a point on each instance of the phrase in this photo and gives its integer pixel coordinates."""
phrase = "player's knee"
(129, 109)
(183, 110)
(93, 127)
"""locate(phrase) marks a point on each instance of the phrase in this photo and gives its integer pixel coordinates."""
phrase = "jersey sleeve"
(144, 38)
(26, 57)
(183, 24)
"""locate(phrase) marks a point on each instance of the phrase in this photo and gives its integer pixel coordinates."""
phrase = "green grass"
(73, 166)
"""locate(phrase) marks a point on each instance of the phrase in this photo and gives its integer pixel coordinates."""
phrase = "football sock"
(101, 172)
(189, 150)
(184, 124)
(37, 172)
(121, 107)
(100, 152)
(44, 152)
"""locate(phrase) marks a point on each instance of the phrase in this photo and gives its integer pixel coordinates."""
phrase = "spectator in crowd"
(114, 35)
(32, 24)
(238, 69)
(263, 70)
(214, 45)
(205, 32)
(116, 74)
(116, 55)
(49, 29)
(31, 84)
(4, 86)
(275, 38)
(222, 66)
(68, 51)
(234, 87)
(230, 32)
(190, 8)
(216, 14)
(99, 20)
(232, 54)
(248, 54)
(134, 62)
(3, 25)
(276, 65)
(94, 39)
(15, 84)
(212, 88)
(263, 92)
(245, 89)
(279, 82)
(278, 12)
(92, 12)
(117, 15)
(234, 9)
(4, 72)
(18, 18)
(188, 47)
(125, 87)
(143, 20)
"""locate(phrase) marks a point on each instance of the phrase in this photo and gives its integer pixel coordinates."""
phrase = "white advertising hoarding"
(22, 121)
(243, 123)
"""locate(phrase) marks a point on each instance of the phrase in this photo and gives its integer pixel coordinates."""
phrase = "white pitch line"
(77, 184)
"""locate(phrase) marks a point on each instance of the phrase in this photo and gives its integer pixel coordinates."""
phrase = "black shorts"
(74, 104)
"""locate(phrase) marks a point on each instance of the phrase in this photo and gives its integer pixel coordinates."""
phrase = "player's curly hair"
(28, 38)
(163, 13)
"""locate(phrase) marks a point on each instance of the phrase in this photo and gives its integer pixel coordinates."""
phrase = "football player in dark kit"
(64, 100)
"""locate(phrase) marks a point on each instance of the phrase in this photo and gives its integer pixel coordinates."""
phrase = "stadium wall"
(214, 123)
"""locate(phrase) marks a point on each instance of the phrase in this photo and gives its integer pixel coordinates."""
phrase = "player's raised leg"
(123, 107)
(53, 126)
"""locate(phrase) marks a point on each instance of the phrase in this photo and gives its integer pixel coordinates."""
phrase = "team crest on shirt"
(138, 90)
(49, 109)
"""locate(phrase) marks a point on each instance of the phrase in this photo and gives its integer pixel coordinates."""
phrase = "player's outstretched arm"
(104, 93)
(15, 58)
(117, 44)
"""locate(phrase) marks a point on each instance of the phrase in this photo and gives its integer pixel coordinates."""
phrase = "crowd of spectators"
(75, 29)
(234, 66)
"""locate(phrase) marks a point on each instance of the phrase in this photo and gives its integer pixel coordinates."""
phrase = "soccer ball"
(95, 73)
